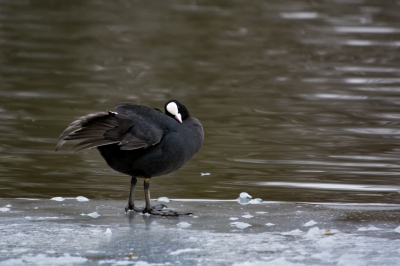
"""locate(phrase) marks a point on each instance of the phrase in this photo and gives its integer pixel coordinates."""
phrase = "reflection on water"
(299, 102)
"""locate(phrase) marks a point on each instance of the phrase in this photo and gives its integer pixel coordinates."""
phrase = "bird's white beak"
(178, 117)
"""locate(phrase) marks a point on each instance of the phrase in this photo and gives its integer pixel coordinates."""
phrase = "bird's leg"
(131, 203)
(156, 210)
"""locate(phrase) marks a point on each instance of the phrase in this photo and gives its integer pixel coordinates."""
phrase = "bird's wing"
(131, 127)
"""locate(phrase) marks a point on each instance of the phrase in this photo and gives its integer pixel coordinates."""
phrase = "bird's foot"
(158, 207)
(169, 213)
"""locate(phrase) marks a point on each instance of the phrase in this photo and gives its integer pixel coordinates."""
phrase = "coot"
(140, 141)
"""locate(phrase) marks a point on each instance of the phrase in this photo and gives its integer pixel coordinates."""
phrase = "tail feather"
(91, 129)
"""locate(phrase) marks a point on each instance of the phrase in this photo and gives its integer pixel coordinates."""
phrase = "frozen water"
(310, 223)
(397, 229)
(261, 212)
(8, 205)
(233, 218)
(247, 216)
(4, 209)
(183, 225)
(240, 225)
(42, 259)
(82, 199)
(58, 199)
(93, 214)
(163, 199)
(152, 240)
(203, 174)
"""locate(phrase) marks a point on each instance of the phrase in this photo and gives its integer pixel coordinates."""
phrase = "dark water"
(300, 100)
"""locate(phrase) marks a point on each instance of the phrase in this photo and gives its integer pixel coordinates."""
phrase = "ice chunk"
(185, 250)
(244, 198)
(183, 225)
(370, 228)
(58, 199)
(295, 232)
(269, 224)
(310, 223)
(83, 214)
(93, 215)
(108, 232)
(315, 232)
(234, 219)
(261, 212)
(203, 174)
(240, 225)
(8, 205)
(397, 229)
(82, 199)
(163, 199)
(247, 216)
(255, 201)
(5, 209)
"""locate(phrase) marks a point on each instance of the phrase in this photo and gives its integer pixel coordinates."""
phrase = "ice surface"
(261, 212)
(93, 214)
(8, 205)
(82, 199)
(233, 218)
(42, 259)
(152, 240)
(241, 225)
(4, 209)
(310, 223)
(247, 216)
(163, 199)
(183, 225)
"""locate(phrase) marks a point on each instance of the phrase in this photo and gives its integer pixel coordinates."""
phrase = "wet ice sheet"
(338, 234)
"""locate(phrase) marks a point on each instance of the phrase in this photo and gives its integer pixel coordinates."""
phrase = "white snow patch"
(93, 215)
(82, 199)
(310, 223)
(234, 219)
(269, 224)
(185, 250)
(203, 174)
(5, 209)
(183, 225)
(247, 216)
(8, 205)
(163, 199)
(261, 212)
(240, 225)
(370, 228)
(58, 199)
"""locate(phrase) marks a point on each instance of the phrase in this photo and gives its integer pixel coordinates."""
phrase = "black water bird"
(140, 141)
